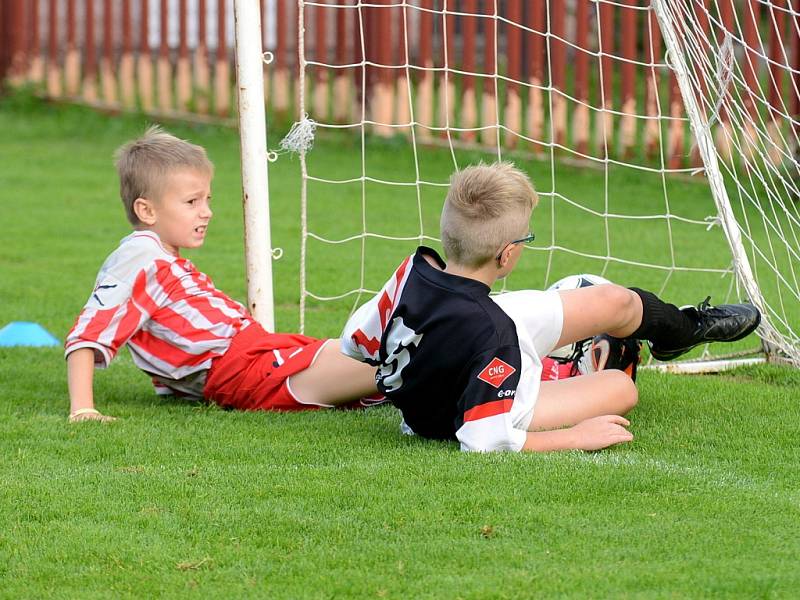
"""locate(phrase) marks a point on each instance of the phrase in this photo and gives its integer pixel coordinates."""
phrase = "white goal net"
(662, 140)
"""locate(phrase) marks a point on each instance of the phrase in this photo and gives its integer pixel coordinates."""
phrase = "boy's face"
(180, 215)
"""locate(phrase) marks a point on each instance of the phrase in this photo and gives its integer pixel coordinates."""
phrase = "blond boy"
(461, 365)
(188, 336)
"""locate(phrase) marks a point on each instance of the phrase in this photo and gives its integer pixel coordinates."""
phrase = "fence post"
(581, 117)
(513, 107)
(425, 83)
(53, 73)
(488, 135)
(90, 70)
(13, 56)
(222, 77)
(5, 40)
(72, 58)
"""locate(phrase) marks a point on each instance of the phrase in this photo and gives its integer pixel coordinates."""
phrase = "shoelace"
(705, 304)
(705, 311)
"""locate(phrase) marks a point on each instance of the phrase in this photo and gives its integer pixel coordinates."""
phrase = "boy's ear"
(144, 211)
(505, 256)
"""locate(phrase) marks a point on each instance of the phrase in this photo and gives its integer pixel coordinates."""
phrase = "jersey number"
(399, 339)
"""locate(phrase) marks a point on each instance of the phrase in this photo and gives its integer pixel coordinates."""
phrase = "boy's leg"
(640, 314)
(333, 379)
(569, 401)
(606, 308)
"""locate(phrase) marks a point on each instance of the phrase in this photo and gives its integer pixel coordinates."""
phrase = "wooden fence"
(565, 71)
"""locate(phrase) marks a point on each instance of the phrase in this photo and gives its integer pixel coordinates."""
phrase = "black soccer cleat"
(724, 323)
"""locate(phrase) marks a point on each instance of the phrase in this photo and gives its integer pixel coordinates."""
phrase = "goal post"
(760, 134)
(662, 139)
(253, 139)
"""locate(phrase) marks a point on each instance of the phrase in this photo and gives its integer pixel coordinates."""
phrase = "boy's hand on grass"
(90, 415)
(600, 432)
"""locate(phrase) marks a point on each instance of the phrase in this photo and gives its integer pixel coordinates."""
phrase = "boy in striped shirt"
(188, 336)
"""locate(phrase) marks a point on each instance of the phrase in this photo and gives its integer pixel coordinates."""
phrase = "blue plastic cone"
(21, 333)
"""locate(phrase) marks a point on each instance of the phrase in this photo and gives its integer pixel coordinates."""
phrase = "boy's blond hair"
(143, 165)
(487, 206)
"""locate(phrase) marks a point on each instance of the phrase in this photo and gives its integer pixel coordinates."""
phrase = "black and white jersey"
(454, 362)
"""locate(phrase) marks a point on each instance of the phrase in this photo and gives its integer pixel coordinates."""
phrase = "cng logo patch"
(496, 372)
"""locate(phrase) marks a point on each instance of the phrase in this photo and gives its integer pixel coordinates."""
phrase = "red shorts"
(252, 374)
(553, 371)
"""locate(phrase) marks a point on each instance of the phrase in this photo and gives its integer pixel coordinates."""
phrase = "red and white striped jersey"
(173, 319)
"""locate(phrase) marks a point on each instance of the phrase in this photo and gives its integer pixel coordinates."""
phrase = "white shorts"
(537, 314)
(539, 319)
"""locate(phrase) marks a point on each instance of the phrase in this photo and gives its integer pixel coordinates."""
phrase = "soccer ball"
(576, 353)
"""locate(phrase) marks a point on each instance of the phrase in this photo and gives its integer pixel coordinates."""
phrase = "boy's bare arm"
(80, 377)
(591, 434)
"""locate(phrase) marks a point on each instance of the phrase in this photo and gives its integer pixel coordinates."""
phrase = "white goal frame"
(253, 131)
(255, 180)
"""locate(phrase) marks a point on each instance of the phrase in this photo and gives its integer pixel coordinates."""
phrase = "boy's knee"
(621, 298)
(623, 303)
(630, 392)
(625, 390)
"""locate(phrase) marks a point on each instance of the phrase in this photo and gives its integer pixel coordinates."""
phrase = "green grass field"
(178, 499)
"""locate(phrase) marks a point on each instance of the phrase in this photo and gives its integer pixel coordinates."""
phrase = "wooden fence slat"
(513, 104)
(144, 67)
(53, 72)
(281, 79)
(557, 49)
(382, 99)
(72, 59)
(163, 64)
(425, 90)
(700, 8)
(447, 81)
(18, 44)
(36, 71)
(488, 133)
(751, 66)
(536, 60)
(5, 50)
(183, 73)
(13, 45)
(222, 74)
(343, 98)
(777, 67)
(127, 80)
(202, 73)
(723, 139)
(469, 101)
(605, 121)
(89, 40)
(628, 122)
(677, 127)
(321, 98)
(402, 83)
(652, 107)
(581, 116)
(108, 73)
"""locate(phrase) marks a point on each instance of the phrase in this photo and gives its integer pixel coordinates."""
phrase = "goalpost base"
(704, 367)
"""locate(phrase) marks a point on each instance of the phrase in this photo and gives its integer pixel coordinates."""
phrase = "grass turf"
(178, 499)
